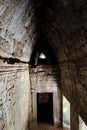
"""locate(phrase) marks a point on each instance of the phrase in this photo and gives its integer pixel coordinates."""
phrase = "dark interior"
(45, 108)
(43, 47)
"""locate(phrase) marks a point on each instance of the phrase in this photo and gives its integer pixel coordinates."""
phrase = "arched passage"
(46, 82)
(58, 28)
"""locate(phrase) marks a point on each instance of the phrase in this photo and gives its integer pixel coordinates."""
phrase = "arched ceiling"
(62, 25)
(17, 29)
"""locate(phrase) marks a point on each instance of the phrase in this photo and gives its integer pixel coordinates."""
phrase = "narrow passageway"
(45, 127)
(43, 62)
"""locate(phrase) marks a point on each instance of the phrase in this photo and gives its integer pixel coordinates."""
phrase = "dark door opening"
(45, 108)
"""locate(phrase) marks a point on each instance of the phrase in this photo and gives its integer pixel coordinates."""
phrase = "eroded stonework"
(14, 96)
(62, 24)
(17, 29)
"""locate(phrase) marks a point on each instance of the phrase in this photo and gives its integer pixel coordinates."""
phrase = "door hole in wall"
(66, 112)
(45, 108)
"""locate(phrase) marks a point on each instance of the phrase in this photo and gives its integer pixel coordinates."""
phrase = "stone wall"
(17, 29)
(73, 83)
(44, 76)
(43, 79)
(17, 38)
(64, 28)
(63, 25)
(14, 96)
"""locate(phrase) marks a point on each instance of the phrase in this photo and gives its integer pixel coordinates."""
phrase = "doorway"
(45, 108)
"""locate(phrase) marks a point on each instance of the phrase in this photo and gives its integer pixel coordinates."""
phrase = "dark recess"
(45, 108)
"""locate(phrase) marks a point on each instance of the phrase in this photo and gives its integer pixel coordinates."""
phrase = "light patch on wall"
(82, 125)
(66, 112)
(42, 56)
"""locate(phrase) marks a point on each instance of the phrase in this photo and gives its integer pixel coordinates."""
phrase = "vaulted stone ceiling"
(17, 29)
(62, 25)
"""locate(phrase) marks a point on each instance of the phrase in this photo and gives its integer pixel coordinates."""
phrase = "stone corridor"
(58, 30)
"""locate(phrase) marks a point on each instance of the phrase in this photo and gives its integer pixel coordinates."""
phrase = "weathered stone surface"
(14, 96)
(63, 24)
(44, 76)
(60, 23)
(44, 79)
(17, 29)
(73, 83)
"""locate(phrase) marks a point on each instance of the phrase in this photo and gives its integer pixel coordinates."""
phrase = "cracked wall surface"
(17, 29)
(14, 96)
(62, 25)
(17, 38)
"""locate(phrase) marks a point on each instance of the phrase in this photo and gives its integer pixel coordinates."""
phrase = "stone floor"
(45, 127)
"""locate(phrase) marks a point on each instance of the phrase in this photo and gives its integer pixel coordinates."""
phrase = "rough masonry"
(62, 26)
